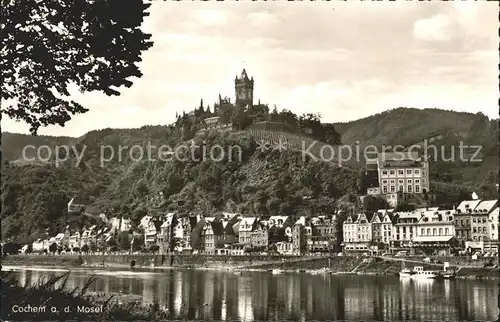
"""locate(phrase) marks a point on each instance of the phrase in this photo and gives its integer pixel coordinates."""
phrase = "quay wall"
(340, 265)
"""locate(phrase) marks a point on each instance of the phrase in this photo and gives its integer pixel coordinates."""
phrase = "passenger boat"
(277, 271)
(405, 272)
(420, 273)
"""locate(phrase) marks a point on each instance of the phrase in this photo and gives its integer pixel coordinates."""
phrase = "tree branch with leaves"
(49, 46)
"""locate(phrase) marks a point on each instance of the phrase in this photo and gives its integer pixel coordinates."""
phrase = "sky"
(344, 60)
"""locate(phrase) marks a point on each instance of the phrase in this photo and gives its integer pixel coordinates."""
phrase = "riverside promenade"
(334, 264)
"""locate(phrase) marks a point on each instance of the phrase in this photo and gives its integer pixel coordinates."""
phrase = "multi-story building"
(463, 220)
(357, 231)
(298, 237)
(481, 227)
(246, 227)
(164, 238)
(404, 229)
(259, 238)
(382, 222)
(401, 176)
(436, 232)
(323, 234)
(150, 234)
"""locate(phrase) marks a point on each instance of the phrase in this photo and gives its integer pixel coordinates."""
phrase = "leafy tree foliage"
(404, 207)
(49, 45)
(123, 240)
(371, 203)
(53, 248)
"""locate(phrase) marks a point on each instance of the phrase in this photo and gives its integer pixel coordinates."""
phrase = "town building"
(323, 234)
(435, 234)
(76, 204)
(401, 176)
(382, 223)
(357, 230)
(246, 227)
(463, 220)
(150, 234)
(404, 229)
(166, 234)
(259, 238)
(299, 242)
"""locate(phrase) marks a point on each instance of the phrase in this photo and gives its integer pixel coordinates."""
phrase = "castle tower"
(244, 89)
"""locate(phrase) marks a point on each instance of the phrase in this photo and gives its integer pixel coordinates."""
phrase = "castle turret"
(243, 89)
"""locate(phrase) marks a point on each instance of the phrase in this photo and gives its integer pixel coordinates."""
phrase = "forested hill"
(34, 196)
(441, 128)
(407, 126)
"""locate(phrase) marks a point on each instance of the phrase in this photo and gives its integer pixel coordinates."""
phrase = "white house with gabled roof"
(247, 225)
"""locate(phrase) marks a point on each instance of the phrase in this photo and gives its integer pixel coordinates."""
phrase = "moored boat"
(448, 275)
(277, 271)
(405, 272)
(420, 273)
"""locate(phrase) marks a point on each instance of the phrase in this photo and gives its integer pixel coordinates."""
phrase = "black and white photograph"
(249, 160)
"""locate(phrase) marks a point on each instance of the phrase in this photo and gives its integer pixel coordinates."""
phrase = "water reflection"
(207, 295)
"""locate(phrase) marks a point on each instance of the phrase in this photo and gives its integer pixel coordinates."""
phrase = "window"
(416, 172)
(484, 220)
(384, 172)
(409, 188)
(384, 181)
(417, 180)
(408, 171)
(417, 188)
(422, 231)
(474, 220)
(400, 188)
(428, 231)
(446, 231)
(393, 181)
(393, 188)
(440, 231)
(409, 180)
(392, 172)
(401, 172)
(384, 189)
(474, 230)
(401, 181)
(433, 231)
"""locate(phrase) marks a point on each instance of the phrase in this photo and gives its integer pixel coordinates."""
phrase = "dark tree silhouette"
(48, 45)
(53, 248)
(85, 248)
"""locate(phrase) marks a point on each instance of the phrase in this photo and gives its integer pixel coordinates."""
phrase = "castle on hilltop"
(226, 116)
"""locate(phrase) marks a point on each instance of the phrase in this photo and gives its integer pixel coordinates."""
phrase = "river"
(222, 295)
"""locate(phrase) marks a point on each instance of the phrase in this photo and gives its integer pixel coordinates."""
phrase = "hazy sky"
(343, 60)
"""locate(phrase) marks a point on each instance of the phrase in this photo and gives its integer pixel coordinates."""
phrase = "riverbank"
(313, 265)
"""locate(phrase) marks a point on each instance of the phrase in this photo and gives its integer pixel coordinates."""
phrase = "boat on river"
(420, 273)
(447, 273)
(277, 271)
(405, 272)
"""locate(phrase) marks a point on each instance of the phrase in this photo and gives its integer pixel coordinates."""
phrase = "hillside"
(268, 182)
(263, 182)
(13, 143)
(443, 129)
